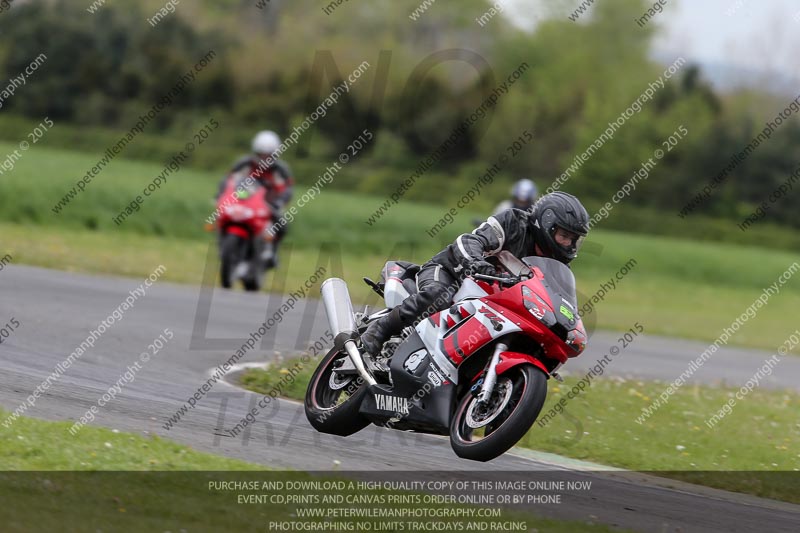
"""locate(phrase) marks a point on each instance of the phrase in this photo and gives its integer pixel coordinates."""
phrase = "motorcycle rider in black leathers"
(554, 228)
(523, 196)
(274, 174)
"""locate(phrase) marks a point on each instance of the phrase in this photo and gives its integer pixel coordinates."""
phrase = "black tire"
(252, 283)
(528, 391)
(230, 250)
(322, 406)
(257, 268)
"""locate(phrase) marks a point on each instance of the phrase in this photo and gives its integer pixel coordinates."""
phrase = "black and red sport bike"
(477, 371)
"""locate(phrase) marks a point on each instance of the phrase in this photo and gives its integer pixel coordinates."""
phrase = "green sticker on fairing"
(567, 313)
(243, 195)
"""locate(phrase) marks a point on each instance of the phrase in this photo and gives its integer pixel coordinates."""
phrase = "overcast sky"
(756, 34)
(750, 33)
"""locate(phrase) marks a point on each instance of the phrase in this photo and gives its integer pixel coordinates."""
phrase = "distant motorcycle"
(476, 371)
(246, 248)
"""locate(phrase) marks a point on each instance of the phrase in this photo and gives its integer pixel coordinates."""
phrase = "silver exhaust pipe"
(342, 321)
(341, 317)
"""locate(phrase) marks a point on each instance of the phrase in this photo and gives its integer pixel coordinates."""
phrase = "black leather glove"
(508, 279)
(480, 267)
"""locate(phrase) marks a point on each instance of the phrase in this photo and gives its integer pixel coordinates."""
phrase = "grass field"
(104, 480)
(29, 444)
(678, 287)
(600, 425)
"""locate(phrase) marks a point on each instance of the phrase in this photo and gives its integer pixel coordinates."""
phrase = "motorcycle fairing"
(399, 281)
(454, 334)
(421, 396)
(424, 367)
(469, 289)
(243, 210)
(548, 308)
(509, 360)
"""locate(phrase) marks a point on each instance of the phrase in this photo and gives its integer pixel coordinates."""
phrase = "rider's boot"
(269, 255)
(268, 249)
(379, 332)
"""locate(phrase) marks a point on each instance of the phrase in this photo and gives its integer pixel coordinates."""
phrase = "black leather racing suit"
(439, 279)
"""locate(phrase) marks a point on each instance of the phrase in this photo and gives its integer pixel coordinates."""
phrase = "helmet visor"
(579, 243)
(567, 240)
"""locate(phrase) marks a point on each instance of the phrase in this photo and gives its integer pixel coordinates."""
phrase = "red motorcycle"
(477, 371)
(246, 246)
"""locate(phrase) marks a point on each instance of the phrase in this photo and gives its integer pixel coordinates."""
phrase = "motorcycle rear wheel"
(332, 401)
(513, 408)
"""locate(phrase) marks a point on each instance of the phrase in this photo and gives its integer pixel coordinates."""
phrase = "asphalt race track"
(56, 310)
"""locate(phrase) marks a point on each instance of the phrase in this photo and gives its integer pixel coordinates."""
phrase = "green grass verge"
(32, 444)
(122, 493)
(760, 434)
(678, 287)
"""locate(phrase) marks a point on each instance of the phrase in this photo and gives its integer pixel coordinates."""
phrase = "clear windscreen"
(557, 277)
(245, 186)
(512, 264)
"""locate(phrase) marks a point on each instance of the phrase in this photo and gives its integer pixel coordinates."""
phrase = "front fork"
(490, 380)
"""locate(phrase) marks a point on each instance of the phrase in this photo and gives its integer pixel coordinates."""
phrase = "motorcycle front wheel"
(232, 249)
(483, 431)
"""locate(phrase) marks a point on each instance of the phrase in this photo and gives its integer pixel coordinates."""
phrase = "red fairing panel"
(238, 230)
(259, 210)
(509, 360)
(553, 346)
(466, 340)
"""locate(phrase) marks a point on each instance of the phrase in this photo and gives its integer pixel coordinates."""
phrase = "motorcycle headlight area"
(238, 212)
(533, 303)
(576, 339)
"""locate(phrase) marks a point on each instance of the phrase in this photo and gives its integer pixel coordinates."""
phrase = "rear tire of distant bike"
(230, 256)
(326, 407)
(253, 284)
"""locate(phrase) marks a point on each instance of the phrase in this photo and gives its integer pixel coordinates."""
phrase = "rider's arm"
(221, 187)
(284, 194)
(502, 206)
(240, 163)
(486, 239)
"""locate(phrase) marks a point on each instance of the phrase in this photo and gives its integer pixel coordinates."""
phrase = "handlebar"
(512, 280)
